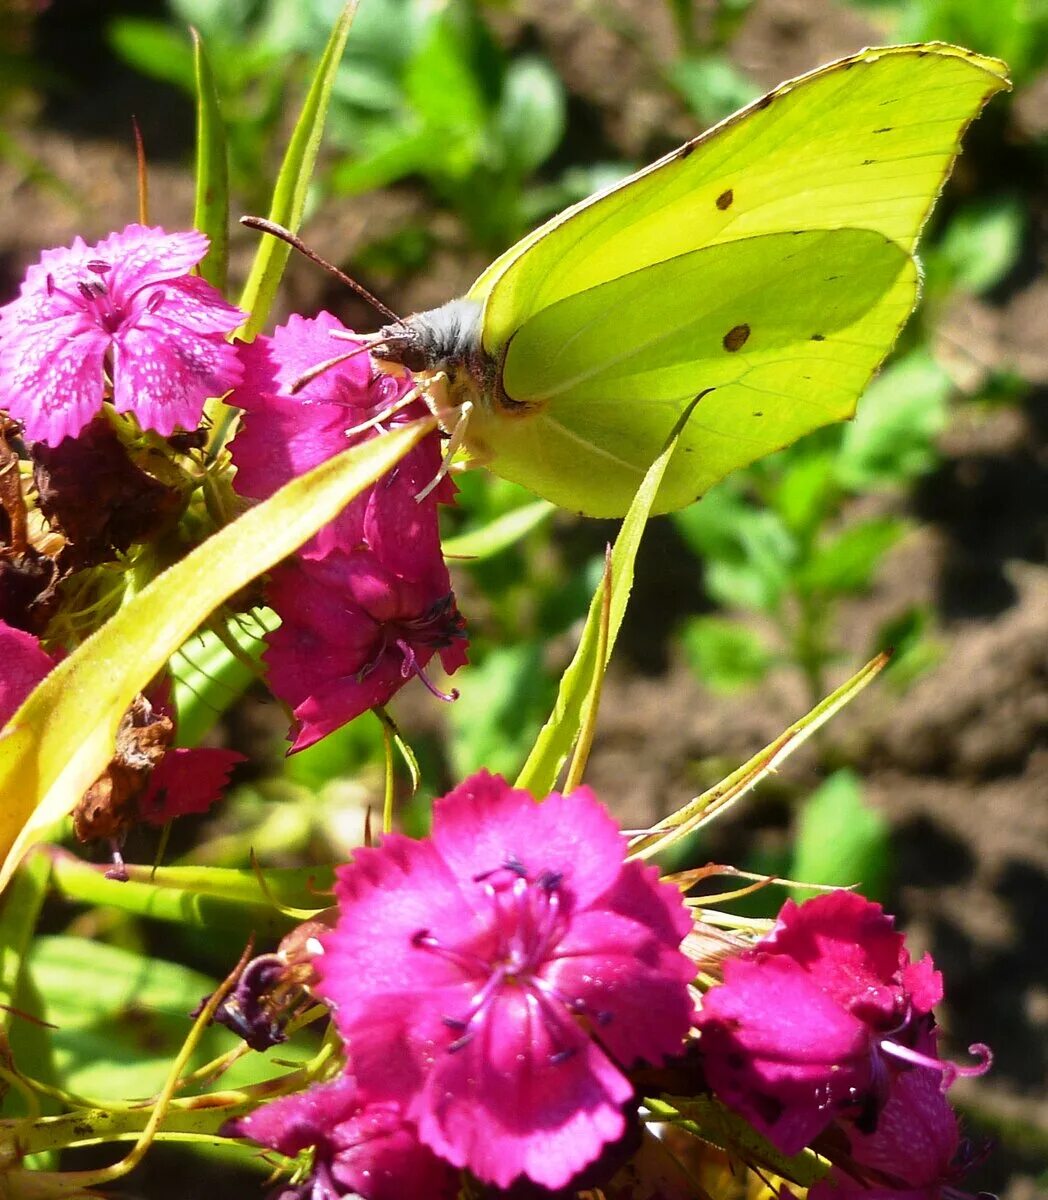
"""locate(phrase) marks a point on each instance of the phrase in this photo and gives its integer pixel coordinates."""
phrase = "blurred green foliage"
(1015, 30)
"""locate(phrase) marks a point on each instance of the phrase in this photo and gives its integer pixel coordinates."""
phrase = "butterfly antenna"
(296, 243)
(326, 365)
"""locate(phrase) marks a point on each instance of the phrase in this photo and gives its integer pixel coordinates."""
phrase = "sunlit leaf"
(498, 534)
(841, 840)
(211, 210)
(718, 799)
(725, 654)
(553, 745)
(289, 193)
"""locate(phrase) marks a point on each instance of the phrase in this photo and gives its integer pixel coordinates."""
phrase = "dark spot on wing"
(921, 53)
(686, 149)
(866, 162)
(818, 337)
(736, 338)
(764, 101)
(758, 414)
(725, 198)
(885, 129)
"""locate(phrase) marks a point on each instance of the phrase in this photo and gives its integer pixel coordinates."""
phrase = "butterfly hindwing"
(782, 332)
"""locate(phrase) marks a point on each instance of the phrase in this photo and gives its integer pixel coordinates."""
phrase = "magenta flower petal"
(914, 1152)
(477, 978)
(139, 253)
(129, 304)
(186, 781)
(849, 945)
(811, 1022)
(360, 1149)
(284, 433)
(51, 376)
(164, 372)
(779, 1050)
(475, 825)
(352, 635)
(24, 665)
(532, 1096)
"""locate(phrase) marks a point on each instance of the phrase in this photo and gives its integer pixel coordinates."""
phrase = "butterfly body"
(768, 263)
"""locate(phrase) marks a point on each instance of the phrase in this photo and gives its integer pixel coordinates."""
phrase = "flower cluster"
(510, 987)
(494, 981)
(367, 603)
(496, 984)
(826, 1020)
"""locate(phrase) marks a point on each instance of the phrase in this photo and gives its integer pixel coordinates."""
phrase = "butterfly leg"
(455, 442)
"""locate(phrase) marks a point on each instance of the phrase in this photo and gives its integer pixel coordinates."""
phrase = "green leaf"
(442, 91)
(153, 48)
(893, 437)
(726, 655)
(846, 563)
(208, 677)
(499, 534)
(289, 193)
(211, 211)
(553, 745)
(710, 1120)
(840, 840)
(208, 898)
(121, 1018)
(806, 491)
(530, 119)
(748, 552)
(981, 243)
(496, 718)
(62, 737)
(712, 86)
(19, 910)
(718, 799)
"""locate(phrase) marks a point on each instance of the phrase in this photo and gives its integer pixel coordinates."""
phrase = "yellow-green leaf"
(289, 193)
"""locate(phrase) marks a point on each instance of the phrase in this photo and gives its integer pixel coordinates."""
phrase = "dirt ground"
(959, 763)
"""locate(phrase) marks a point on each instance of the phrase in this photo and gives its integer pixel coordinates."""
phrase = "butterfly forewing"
(862, 143)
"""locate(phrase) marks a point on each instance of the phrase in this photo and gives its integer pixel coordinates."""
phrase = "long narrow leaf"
(198, 897)
(211, 211)
(499, 534)
(19, 910)
(61, 739)
(289, 194)
(552, 746)
(721, 796)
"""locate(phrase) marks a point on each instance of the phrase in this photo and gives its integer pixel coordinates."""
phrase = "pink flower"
(915, 1151)
(284, 433)
(808, 1023)
(127, 308)
(358, 1148)
(495, 978)
(353, 634)
(23, 664)
(367, 602)
(186, 781)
